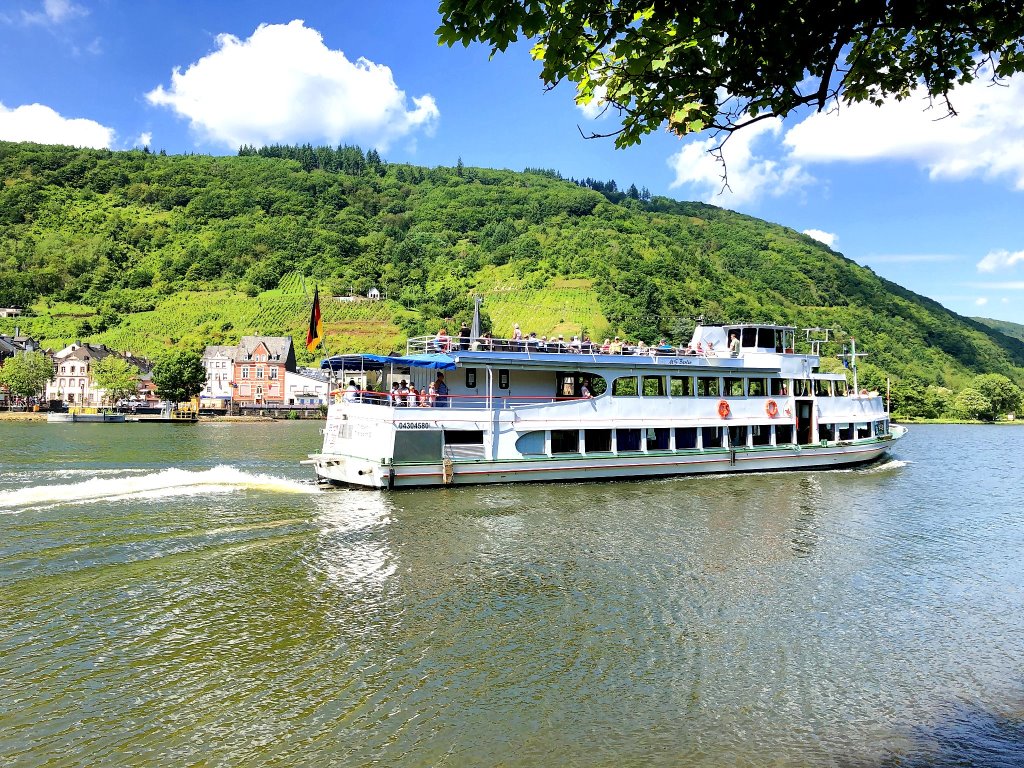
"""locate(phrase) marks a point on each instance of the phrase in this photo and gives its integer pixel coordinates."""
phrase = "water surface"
(175, 595)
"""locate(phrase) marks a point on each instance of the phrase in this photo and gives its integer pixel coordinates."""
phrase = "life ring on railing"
(772, 408)
(723, 409)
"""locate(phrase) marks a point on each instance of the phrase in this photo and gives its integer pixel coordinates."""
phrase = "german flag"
(316, 323)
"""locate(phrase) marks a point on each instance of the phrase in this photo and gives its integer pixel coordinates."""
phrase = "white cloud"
(828, 238)
(597, 106)
(284, 85)
(145, 139)
(1002, 259)
(41, 124)
(908, 258)
(750, 175)
(985, 138)
(981, 301)
(54, 12)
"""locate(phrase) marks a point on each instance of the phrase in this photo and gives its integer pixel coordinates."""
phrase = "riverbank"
(41, 416)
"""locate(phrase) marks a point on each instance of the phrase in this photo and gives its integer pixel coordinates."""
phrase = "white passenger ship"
(518, 411)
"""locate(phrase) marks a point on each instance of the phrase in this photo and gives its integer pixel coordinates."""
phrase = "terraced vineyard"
(567, 310)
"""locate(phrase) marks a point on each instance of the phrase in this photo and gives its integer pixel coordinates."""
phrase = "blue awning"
(368, 362)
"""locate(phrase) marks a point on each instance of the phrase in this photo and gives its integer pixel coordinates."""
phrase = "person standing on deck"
(464, 336)
(442, 391)
(734, 346)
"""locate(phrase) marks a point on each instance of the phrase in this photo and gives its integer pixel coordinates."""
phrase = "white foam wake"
(158, 485)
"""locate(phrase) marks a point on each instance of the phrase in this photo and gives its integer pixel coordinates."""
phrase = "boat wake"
(165, 484)
(885, 466)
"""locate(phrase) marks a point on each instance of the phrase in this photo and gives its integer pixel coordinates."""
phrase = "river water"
(184, 595)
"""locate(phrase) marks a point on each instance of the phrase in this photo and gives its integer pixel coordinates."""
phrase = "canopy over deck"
(367, 362)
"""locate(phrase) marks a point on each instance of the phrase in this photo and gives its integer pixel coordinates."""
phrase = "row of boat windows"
(689, 438)
(571, 384)
(725, 386)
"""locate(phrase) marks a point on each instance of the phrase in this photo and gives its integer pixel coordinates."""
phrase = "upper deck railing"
(420, 345)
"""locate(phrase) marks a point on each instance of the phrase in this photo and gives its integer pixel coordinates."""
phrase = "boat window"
(565, 441)
(657, 439)
(711, 437)
(732, 387)
(707, 386)
(822, 388)
(826, 431)
(880, 428)
(761, 434)
(681, 386)
(766, 338)
(863, 430)
(625, 387)
(841, 388)
(471, 378)
(417, 445)
(757, 387)
(783, 434)
(654, 386)
(686, 437)
(598, 440)
(845, 431)
(627, 440)
(502, 378)
(463, 437)
(802, 387)
(738, 437)
(571, 384)
(531, 444)
(748, 337)
(779, 386)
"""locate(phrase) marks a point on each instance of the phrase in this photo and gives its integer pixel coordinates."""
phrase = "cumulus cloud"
(284, 85)
(828, 238)
(750, 174)
(144, 140)
(997, 260)
(985, 138)
(41, 124)
(597, 106)
(981, 301)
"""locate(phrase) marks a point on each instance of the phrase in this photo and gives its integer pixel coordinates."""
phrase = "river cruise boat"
(523, 410)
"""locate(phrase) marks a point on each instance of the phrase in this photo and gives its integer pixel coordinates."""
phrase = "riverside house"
(259, 370)
(219, 362)
(73, 382)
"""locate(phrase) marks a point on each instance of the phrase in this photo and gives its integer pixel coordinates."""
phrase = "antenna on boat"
(850, 361)
(817, 341)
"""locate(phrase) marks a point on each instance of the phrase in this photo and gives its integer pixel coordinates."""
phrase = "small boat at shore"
(85, 415)
(515, 411)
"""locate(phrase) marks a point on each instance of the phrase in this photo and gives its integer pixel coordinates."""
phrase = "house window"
(245, 372)
(273, 372)
(259, 372)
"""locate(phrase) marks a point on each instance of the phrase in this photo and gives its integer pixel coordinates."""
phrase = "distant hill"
(144, 251)
(1013, 330)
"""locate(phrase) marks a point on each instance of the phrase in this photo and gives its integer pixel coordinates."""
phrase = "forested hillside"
(144, 251)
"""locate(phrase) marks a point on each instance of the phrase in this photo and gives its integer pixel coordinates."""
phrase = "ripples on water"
(209, 605)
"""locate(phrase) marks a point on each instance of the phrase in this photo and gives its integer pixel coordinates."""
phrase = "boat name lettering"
(414, 425)
(680, 361)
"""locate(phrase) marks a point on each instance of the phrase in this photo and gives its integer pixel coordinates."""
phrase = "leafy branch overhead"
(724, 65)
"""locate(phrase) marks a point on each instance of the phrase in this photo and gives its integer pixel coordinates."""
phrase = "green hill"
(1013, 330)
(144, 251)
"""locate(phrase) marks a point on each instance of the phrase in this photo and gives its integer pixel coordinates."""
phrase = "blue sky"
(934, 205)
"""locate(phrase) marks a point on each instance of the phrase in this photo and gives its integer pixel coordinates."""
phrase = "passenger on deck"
(351, 392)
(441, 390)
(393, 396)
(532, 344)
(428, 398)
(542, 346)
(464, 336)
(615, 348)
(517, 338)
(734, 346)
(606, 347)
(442, 342)
(642, 348)
(560, 345)
(403, 394)
(586, 345)
(575, 345)
(412, 397)
(585, 390)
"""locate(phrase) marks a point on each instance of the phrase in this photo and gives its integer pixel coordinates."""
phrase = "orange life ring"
(723, 409)
(772, 408)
